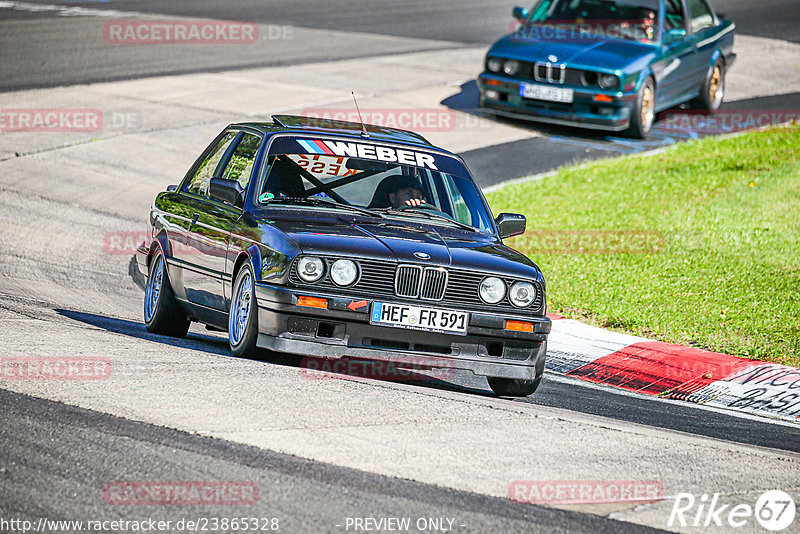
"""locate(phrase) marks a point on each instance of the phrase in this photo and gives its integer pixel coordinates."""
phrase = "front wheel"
(243, 315)
(713, 88)
(514, 387)
(644, 111)
(162, 315)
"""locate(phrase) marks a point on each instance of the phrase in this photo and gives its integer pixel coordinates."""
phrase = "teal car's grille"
(539, 73)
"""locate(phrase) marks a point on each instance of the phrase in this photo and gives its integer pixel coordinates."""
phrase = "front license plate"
(419, 318)
(546, 92)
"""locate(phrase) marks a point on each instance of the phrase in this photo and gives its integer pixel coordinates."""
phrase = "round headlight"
(511, 67)
(492, 290)
(494, 64)
(344, 272)
(310, 268)
(522, 294)
(607, 81)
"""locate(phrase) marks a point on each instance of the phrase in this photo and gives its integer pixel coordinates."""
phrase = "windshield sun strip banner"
(369, 151)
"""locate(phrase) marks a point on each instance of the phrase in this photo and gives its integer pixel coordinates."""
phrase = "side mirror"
(172, 188)
(674, 35)
(510, 224)
(519, 13)
(228, 191)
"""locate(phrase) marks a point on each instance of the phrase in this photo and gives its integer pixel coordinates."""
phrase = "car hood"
(398, 242)
(601, 54)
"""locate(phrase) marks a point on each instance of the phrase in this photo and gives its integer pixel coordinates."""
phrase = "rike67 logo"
(774, 510)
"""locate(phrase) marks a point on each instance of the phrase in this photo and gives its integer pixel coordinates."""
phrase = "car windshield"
(374, 180)
(625, 19)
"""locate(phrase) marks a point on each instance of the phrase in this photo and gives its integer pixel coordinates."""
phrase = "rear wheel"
(162, 315)
(514, 387)
(243, 315)
(713, 89)
(644, 111)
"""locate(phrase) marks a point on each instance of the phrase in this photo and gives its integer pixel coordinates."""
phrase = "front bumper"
(338, 331)
(584, 111)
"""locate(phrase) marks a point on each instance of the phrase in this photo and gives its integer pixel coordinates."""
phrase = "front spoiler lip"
(525, 370)
(531, 116)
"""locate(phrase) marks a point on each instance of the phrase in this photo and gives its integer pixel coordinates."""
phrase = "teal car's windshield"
(418, 188)
(625, 19)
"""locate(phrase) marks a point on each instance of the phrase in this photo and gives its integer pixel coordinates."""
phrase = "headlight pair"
(493, 290)
(508, 66)
(312, 269)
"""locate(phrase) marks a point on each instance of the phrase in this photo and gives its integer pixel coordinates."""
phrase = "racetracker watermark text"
(585, 491)
(54, 368)
(589, 242)
(190, 32)
(726, 120)
(180, 493)
(415, 119)
(408, 370)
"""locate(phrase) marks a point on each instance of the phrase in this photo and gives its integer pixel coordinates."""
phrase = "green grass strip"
(698, 245)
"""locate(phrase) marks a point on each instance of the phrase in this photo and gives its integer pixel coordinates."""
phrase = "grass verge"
(698, 245)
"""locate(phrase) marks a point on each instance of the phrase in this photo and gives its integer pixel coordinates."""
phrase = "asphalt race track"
(320, 451)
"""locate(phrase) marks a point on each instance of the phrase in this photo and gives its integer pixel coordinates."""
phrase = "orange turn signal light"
(603, 98)
(313, 302)
(494, 82)
(519, 326)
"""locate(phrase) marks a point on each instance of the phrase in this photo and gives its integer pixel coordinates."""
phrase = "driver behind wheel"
(406, 192)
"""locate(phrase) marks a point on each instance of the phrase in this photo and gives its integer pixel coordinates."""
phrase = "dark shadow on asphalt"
(597, 401)
(312, 368)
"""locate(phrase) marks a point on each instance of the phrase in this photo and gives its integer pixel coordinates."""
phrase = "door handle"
(194, 220)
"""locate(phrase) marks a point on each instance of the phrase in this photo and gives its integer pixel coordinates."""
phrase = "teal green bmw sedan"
(608, 64)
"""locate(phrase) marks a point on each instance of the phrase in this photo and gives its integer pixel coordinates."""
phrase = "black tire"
(514, 387)
(242, 340)
(713, 89)
(162, 314)
(643, 114)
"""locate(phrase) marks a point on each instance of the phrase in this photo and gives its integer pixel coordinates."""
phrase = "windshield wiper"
(429, 215)
(317, 201)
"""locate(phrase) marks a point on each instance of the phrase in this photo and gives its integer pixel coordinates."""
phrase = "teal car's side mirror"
(519, 13)
(674, 35)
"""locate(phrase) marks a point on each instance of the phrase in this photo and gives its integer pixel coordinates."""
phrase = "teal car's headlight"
(608, 81)
(494, 64)
(511, 67)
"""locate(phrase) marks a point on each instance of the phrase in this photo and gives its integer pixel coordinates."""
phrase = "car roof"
(297, 123)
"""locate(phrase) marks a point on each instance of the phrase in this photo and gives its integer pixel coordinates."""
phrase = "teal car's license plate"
(419, 318)
(546, 92)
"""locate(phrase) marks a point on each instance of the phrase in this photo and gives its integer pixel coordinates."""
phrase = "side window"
(240, 166)
(461, 212)
(673, 15)
(199, 183)
(701, 15)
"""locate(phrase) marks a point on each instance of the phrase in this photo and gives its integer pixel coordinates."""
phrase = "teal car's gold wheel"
(713, 90)
(644, 111)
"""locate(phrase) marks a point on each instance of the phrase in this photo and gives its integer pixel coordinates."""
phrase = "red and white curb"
(641, 365)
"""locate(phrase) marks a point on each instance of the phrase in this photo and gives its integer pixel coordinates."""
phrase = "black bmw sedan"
(334, 239)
